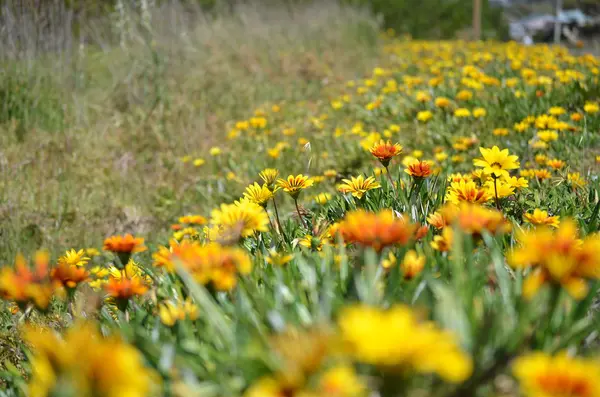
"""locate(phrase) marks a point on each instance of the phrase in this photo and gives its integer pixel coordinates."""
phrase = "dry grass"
(91, 142)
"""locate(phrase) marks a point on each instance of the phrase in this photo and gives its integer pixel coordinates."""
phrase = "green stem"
(496, 192)
(387, 172)
(278, 221)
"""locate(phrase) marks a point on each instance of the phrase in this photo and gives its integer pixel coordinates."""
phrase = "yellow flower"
(575, 180)
(358, 186)
(500, 188)
(215, 151)
(443, 242)
(464, 95)
(547, 135)
(278, 259)
(591, 107)
(269, 176)
(424, 116)
(86, 364)
(378, 337)
(462, 112)
(323, 198)
(74, 258)
(170, 312)
(556, 111)
(258, 194)
(243, 218)
(500, 131)
(496, 162)
(442, 102)
(467, 191)
(199, 162)
(557, 257)
(479, 113)
(341, 381)
(539, 217)
(293, 185)
(412, 264)
(542, 375)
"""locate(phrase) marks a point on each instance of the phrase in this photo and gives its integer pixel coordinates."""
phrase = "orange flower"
(126, 243)
(69, 276)
(124, 246)
(419, 169)
(122, 289)
(384, 151)
(24, 285)
(376, 230)
(474, 218)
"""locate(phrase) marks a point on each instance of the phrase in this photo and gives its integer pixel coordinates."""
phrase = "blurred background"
(500, 19)
(100, 98)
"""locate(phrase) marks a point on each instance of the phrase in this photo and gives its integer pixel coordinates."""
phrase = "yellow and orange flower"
(384, 151)
(557, 257)
(419, 169)
(376, 230)
(126, 244)
(540, 374)
(25, 285)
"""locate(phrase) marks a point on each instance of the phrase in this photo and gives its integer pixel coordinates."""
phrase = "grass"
(91, 136)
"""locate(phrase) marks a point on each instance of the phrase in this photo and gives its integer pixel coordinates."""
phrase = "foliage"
(437, 19)
(429, 228)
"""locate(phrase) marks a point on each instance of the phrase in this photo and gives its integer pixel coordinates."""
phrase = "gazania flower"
(419, 169)
(212, 263)
(192, 220)
(24, 285)
(542, 174)
(322, 198)
(124, 246)
(496, 162)
(243, 218)
(540, 374)
(442, 102)
(171, 312)
(378, 337)
(269, 176)
(555, 164)
(424, 116)
(293, 185)
(412, 264)
(539, 217)
(376, 230)
(74, 258)
(467, 191)
(69, 276)
(86, 364)
(575, 180)
(278, 258)
(358, 186)
(475, 219)
(443, 242)
(557, 257)
(437, 220)
(258, 194)
(384, 151)
(124, 288)
(591, 107)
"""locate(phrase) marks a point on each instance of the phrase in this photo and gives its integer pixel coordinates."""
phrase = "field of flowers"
(430, 229)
